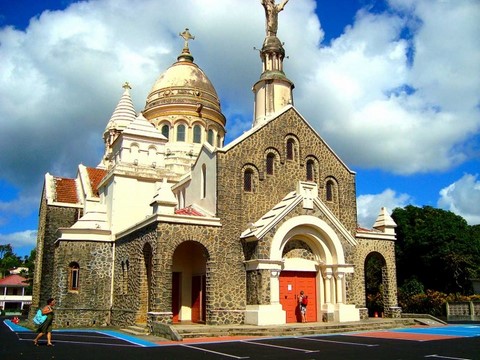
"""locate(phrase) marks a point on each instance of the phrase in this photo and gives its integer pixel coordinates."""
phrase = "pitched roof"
(95, 175)
(65, 190)
(14, 280)
(262, 226)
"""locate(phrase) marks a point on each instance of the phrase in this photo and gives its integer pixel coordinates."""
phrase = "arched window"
(210, 137)
(329, 189)
(166, 130)
(73, 276)
(290, 149)
(248, 180)
(270, 163)
(181, 132)
(124, 284)
(204, 182)
(197, 134)
(152, 151)
(310, 170)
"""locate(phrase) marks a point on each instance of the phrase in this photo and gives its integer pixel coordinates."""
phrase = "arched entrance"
(189, 270)
(375, 273)
(313, 261)
(145, 284)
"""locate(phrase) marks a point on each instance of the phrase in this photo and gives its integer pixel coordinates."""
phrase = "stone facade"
(89, 305)
(131, 280)
(233, 240)
(51, 217)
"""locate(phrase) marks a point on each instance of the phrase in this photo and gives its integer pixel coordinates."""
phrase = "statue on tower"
(271, 13)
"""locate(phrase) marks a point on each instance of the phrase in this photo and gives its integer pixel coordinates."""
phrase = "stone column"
(327, 277)
(339, 287)
(274, 287)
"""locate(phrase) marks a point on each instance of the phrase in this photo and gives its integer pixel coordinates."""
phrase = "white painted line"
(279, 347)
(214, 352)
(337, 342)
(445, 357)
(54, 341)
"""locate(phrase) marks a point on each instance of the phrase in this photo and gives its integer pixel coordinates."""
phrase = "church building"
(175, 226)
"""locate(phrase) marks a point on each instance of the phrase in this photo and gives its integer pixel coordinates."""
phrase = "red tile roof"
(14, 280)
(66, 190)
(188, 211)
(95, 175)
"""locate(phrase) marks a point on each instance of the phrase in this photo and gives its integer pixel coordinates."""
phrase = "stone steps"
(198, 331)
(137, 330)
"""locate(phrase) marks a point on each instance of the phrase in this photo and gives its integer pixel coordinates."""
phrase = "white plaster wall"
(194, 190)
(129, 201)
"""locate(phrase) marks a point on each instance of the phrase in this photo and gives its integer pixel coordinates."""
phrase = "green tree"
(436, 247)
(8, 260)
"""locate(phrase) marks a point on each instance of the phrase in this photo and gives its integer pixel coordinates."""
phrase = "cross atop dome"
(186, 36)
(185, 55)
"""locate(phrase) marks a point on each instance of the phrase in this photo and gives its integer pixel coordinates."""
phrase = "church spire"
(274, 90)
(122, 116)
(124, 112)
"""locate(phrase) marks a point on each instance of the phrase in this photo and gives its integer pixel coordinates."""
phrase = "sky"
(393, 86)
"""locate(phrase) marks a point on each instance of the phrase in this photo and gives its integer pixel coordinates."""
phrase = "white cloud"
(409, 111)
(368, 206)
(373, 102)
(20, 240)
(463, 198)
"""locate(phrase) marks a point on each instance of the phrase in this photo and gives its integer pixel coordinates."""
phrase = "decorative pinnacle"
(126, 86)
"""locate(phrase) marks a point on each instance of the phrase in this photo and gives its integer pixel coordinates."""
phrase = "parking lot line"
(445, 357)
(214, 352)
(336, 342)
(279, 347)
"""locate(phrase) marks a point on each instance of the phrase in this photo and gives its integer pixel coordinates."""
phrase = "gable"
(269, 161)
(290, 121)
(305, 196)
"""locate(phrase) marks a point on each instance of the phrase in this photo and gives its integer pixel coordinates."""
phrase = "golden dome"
(184, 88)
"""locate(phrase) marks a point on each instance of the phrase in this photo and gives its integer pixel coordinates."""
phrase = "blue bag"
(39, 318)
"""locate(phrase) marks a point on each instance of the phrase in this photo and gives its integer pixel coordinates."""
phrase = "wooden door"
(198, 298)
(291, 283)
(176, 281)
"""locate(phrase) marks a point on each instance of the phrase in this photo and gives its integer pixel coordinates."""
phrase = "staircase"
(137, 330)
(199, 330)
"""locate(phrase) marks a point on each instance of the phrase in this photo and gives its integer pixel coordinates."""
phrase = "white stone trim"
(272, 314)
(176, 219)
(346, 234)
(375, 236)
(320, 234)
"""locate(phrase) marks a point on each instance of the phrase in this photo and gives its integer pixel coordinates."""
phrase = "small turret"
(122, 116)
(385, 222)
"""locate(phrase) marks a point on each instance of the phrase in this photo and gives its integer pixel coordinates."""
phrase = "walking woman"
(46, 327)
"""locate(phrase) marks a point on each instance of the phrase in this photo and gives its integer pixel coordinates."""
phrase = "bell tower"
(274, 90)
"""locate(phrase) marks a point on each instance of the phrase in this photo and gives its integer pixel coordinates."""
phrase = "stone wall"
(90, 304)
(225, 274)
(50, 219)
(241, 208)
(130, 274)
(386, 248)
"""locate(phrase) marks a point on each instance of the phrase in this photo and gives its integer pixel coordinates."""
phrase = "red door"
(291, 283)
(198, 298)
(175, 296)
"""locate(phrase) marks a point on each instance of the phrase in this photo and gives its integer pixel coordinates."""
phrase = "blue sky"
(392, 86)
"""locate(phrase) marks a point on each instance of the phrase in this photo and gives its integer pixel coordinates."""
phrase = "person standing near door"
(302, 303)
